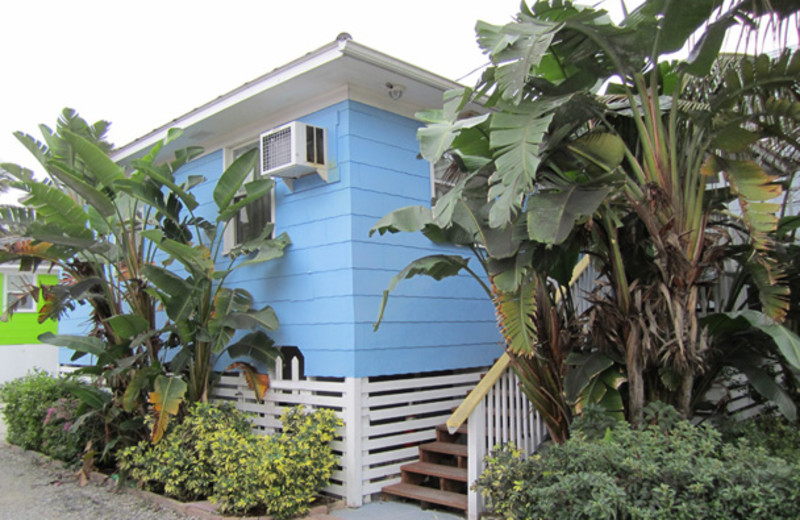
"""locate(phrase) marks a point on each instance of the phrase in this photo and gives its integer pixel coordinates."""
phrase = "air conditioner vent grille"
(293, 151)
(277, 149)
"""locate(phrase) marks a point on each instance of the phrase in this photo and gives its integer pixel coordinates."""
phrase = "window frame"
(229, 155)
(444, 161)
(31, 277)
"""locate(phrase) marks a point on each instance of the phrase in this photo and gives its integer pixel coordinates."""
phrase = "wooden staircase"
(440, 475)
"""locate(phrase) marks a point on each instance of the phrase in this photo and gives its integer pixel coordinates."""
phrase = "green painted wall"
(22, 328)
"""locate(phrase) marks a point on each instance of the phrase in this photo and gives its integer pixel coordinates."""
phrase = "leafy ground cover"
(670, 470)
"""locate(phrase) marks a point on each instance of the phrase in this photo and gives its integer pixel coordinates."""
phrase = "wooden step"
(429, 495)
(436, 470)
(447, 448)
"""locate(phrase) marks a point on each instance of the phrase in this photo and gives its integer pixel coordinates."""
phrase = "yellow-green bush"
(277, 475)
(212, 454)
(180, 464)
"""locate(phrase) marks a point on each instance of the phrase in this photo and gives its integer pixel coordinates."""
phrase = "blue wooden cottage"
(327, 289)
(350, 110)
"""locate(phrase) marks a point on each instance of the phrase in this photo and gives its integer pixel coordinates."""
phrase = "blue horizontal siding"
(327, 287)
(427, 325)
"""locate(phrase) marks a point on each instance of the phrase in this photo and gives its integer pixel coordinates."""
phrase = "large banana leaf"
(552, 214)
(166, 398)
(139, 382)
(256, 346)
(257, 381)
(594, 379)
(515, 315)
(786, 341)
(254, 190)
(147, 192)
(227, 302)
(74, 180)
(443, 126)
(250, 320)
(517, 49)
(180, 301)
(437, 267)
(231, 180)
(163, 177)
(94, 398)
(97, 161)
(407, 219)
(516, 135)
(127, 326)
(51, 203)
(751, 361)
(266, 249)
(87, 344)
(765, 385)
(755, 190)
(197, 259)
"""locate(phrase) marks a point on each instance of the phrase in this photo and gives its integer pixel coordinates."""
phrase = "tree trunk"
(685, 395)
(633, 359)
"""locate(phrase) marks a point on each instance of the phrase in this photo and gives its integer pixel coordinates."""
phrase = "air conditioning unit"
(294, 150)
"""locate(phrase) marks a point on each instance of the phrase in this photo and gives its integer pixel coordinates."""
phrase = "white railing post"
(476, 448)
(353, 432)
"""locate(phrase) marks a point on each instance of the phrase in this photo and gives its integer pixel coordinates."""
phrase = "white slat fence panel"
(385, 418)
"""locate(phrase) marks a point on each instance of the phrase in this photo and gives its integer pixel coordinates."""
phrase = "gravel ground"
(32, 488)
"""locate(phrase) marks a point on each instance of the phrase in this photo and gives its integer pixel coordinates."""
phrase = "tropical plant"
(214, 454)
(676, 472)
(557, 168)
(107, 226)
(26, 401)
(41, 412)
(181, 466)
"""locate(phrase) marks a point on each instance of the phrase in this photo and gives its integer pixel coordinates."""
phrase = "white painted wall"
(18, 360)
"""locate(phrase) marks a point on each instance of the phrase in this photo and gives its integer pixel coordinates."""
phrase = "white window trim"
(7, 289)
(228, 154)
(435, 183)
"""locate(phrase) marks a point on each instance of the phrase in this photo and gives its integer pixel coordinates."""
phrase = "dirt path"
(32, 488)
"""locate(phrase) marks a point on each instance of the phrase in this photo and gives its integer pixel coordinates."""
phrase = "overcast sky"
(140, 64)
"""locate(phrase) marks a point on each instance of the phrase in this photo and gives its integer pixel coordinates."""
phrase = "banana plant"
(107, 227)
(624, 174)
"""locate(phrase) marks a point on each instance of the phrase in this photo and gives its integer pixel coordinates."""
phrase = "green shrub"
(774, 433)
(212, 454)
(41, 414)
(180, 465)
(58, 438)
(27, 400)
(685, 472)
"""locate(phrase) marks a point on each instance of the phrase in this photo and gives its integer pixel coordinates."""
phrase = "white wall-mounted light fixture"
(395, 91)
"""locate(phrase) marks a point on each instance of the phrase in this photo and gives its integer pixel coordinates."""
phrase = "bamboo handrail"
(481, 390)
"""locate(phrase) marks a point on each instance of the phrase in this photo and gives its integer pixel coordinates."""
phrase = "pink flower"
(50, 412)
